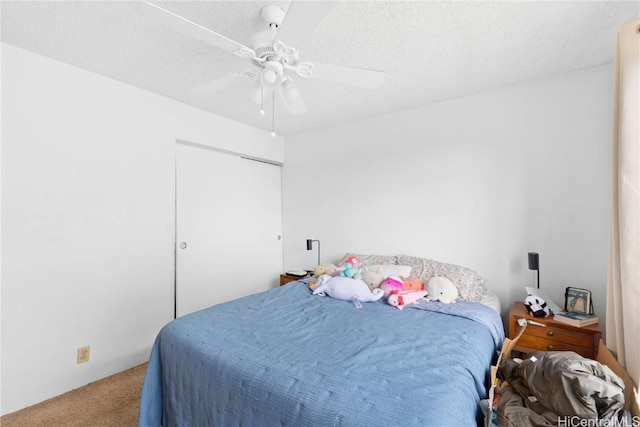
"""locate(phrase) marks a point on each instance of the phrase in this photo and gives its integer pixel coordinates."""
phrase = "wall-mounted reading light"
(310, 246)
(534, 264)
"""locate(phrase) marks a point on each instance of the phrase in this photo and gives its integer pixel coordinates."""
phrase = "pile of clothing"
(560, 388)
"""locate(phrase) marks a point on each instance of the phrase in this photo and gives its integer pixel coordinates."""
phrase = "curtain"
(623, 279)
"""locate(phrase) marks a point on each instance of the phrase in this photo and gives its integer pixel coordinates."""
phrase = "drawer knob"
(550, 333)
(550, 347)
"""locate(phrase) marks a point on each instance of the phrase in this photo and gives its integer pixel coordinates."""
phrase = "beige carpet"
(110, 402)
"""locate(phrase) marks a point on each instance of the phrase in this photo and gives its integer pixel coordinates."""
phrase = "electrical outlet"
(84, 353)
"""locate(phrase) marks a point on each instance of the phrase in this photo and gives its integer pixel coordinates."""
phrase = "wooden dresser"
(554, 336)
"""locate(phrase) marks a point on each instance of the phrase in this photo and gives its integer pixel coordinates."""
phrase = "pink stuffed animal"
(400, 299)
(391, 284)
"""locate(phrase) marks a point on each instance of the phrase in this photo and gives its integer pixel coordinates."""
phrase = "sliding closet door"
(228, 227)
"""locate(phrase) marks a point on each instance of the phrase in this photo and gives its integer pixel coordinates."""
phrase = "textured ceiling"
(430, 50)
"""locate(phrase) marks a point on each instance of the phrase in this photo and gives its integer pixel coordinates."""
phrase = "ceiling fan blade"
(189, 28)
(371, 79)
(301, 19)
(255, 93)
(292, 97)
(221, 83)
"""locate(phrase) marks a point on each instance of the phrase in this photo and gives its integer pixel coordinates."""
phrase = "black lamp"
(310, 246)
(534, 264)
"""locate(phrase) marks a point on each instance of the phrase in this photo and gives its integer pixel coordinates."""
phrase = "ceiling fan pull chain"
(261, 100)
(273, 113)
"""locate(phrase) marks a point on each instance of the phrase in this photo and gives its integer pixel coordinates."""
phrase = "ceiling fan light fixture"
(271, 75)
(289, 90)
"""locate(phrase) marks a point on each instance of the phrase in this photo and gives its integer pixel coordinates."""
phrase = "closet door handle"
(183, 245)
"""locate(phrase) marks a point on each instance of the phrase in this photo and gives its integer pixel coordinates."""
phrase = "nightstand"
(286, 278)
(554, 336)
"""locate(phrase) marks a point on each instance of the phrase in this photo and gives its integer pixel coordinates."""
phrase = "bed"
(287, 357)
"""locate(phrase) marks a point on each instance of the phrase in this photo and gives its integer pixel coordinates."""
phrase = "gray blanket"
(560, 388)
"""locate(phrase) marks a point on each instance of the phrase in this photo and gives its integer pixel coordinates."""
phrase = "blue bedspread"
(286, 357)
(470, 310)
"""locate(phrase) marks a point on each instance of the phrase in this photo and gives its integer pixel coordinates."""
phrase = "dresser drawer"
(552, 333)
(536, 343)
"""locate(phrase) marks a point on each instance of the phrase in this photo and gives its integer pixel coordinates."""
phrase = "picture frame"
(578, 300)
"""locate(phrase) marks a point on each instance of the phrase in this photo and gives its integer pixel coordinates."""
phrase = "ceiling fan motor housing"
(262, 41)
(262, 44)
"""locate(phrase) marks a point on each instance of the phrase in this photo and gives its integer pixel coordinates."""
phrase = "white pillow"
(388, 270)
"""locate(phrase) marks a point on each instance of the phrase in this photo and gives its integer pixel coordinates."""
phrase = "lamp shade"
(534, 264)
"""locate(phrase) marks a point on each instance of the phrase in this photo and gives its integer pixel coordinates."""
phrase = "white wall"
(88, 220)
(477, 181)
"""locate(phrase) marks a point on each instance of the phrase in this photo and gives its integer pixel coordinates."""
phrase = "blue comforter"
(286, 357)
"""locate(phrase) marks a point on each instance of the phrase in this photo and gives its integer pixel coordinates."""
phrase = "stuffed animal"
(372, 278)
(321, 269)
(442, 289)
(351, 269)
(400, 299)
(412, 284)
(536, 306)
(346, 288)
(391, 284)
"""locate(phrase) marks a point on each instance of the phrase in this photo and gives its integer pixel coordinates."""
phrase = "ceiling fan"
(275, 62)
